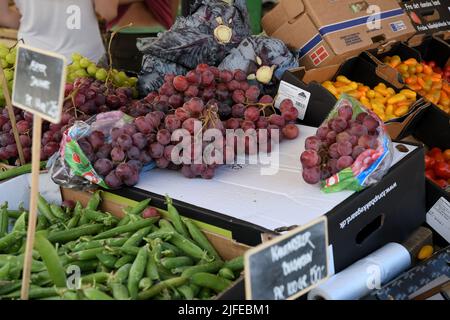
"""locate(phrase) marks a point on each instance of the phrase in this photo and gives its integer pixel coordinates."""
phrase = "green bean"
(57, 212)
(151, 271)
(131, 227)
(210, 267)
(97, 216)
(10, 239)
(4, 219)
(9, 286)
(236, 264)
(187, 292)
(75, 233)
(226, 273)
(122, 274)
(42, 223)
(88, 254)
(119, 291)
(199, 237)
(95, 294)
(137, 209)
(173, 215)
(112, 242)
(95, 200)
(44, 209)
(137, 271)
(14, 214)
(21, 222)
(4, 271)
(172, 263)
(51, 260)
(18, 171)
(137, 237)
(94, 278)
(211, 281)
(205, 294)
(123, 261)
(157, 288)
(107, 260)
(145, 283)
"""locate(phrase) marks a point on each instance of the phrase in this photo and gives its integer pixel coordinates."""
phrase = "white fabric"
(62, 26)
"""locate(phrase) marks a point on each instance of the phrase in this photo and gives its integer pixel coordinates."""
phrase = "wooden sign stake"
(12, 116)
(32, 217)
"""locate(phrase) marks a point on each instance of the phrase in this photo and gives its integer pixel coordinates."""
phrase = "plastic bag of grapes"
(107, 150)
(351, 150)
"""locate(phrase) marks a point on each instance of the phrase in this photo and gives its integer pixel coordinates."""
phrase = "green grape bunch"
(82, 67)
(8, 61)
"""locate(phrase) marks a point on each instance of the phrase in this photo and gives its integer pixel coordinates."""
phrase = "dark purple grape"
(133, 153)
(311, 175)
(117, 154)
(163, 137)
(124, 171)
(96, 139)
(139, 140)
(156, 150)
(113, 181)
(136, 164)
(125, 141)
(103, 166)
(145, 158)
(104, 151)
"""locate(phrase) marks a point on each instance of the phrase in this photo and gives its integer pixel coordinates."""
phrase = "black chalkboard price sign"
(288, 266)
(39, 82)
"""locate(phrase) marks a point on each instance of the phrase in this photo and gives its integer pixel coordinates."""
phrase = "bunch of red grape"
(120, 161)
(338, 144)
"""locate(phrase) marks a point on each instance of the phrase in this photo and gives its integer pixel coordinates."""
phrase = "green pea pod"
(95, 294)
(175, 294)
(137, 209)
(91, 244)
(199, 237)
(129, 250)
(131, 227)
(122, 274)
(211, 267)
(14, 214)
(37, 293)
(211, 281)
(75, 233)
(97, 216)
(195, 289)
(226, 274)
(151, 271)
(95, 200)
(205, 294)
(88, 254)
(137, 237)
(173, 215)
(164, 273)
(179, 270)
(9, 286)
(94, 278)
(125, 220)
(185, 245)
(176, 262)
(166, 225)
(157, 288)
(137, 271)
(145, 283)
(119, 291)
(42, 223)
(123, 261)
(4, 219)
(51, 260)
(58, 212)
(73, 222)
(187, 292)
(21, 223)
(10, 239)
(165, 246)
(236, 264)
(107, 260)
(44, 208)
(84, 265)
(70, 295)
(4, 272)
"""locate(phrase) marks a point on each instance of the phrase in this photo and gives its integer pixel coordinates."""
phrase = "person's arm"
(108, 9)
(8, 18)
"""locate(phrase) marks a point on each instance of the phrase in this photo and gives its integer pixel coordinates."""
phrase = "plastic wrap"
(71, 167)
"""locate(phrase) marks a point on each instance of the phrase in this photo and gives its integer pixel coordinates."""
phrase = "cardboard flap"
(390, 75)
(292, 8)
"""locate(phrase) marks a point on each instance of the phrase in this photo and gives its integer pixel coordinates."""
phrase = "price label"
(39, 82)
(288, 266)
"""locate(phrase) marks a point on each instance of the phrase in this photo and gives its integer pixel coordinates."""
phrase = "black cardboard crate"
(435, 49)
(391, 215)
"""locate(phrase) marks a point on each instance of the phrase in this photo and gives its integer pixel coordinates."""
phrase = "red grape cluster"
(338, 143)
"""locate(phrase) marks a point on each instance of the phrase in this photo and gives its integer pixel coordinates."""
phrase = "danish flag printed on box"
(319, 55)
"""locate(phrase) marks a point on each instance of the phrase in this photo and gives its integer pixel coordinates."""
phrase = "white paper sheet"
(273, 201)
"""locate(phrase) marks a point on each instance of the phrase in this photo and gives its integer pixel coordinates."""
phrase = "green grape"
(123, 76)
(133, 81)
(9, 74)
(92, 70)
(101, 74)
(76, 57)
(3, 52)
(11, 58)
(4, 63)
(84, 63)
(81, 73)
(71, 78)
(117, 80)
(75, 66)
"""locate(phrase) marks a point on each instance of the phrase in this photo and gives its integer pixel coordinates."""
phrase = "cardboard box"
(17, 191)
(8, 36)
(242, 202)
(326, 32)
